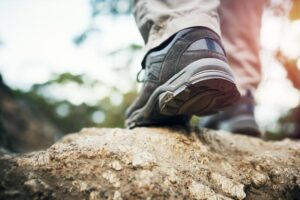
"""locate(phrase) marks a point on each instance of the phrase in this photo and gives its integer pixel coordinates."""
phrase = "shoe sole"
(243, 124)
(203, 87)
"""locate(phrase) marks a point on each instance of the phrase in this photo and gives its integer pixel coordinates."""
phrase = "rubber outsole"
(199, 98)
(243, 124)
(204, 87)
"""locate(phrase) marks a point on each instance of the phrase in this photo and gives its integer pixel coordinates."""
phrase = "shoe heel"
(199, 99)
(202, 93)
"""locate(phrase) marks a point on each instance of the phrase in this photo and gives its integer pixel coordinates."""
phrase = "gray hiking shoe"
(187, 74)
(237, 119)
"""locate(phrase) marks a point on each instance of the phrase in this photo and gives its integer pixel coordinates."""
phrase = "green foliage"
(103, 7)
(71, 118)
(132, 48)
(115, 7)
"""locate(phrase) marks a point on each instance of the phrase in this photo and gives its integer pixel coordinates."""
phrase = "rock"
(200, 191)
(116, 165)
(154, 163)
(117, 196)
(38, 189)
(94, 196)
(259, 179)
(33, 185)
(111, 178)
(228, 186)
(11, 193)
(143, 159)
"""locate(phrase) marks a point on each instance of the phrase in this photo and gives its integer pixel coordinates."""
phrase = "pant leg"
(240, 26)
(159, 19)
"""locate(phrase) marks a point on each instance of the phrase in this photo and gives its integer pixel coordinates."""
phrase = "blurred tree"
(69, 117)
(294, 13)
(288, 124)
(64, 115)
(103, 7)
(23, 127)
(87, 115)
(290, 65)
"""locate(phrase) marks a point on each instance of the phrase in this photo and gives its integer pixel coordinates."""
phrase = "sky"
(38, 41)
(38, 38)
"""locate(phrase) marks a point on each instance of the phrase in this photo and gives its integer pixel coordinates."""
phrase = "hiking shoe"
(187, 74)
(237, 119)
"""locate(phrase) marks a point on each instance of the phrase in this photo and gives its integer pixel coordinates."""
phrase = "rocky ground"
(153, 163)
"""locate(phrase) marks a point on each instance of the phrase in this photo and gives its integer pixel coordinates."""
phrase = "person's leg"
(157, 20)
(240, 26)
(186, 70)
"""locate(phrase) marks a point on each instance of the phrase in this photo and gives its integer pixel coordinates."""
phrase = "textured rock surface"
(152, 163)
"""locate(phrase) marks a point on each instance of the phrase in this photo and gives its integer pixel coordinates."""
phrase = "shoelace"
(138, 76)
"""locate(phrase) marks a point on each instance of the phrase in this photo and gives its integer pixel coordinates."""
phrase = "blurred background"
(69, 64)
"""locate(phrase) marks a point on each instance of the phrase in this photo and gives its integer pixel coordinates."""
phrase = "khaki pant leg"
(160, 19)
(240, 26)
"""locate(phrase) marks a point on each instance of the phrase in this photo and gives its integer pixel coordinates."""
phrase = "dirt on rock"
(154, 163)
